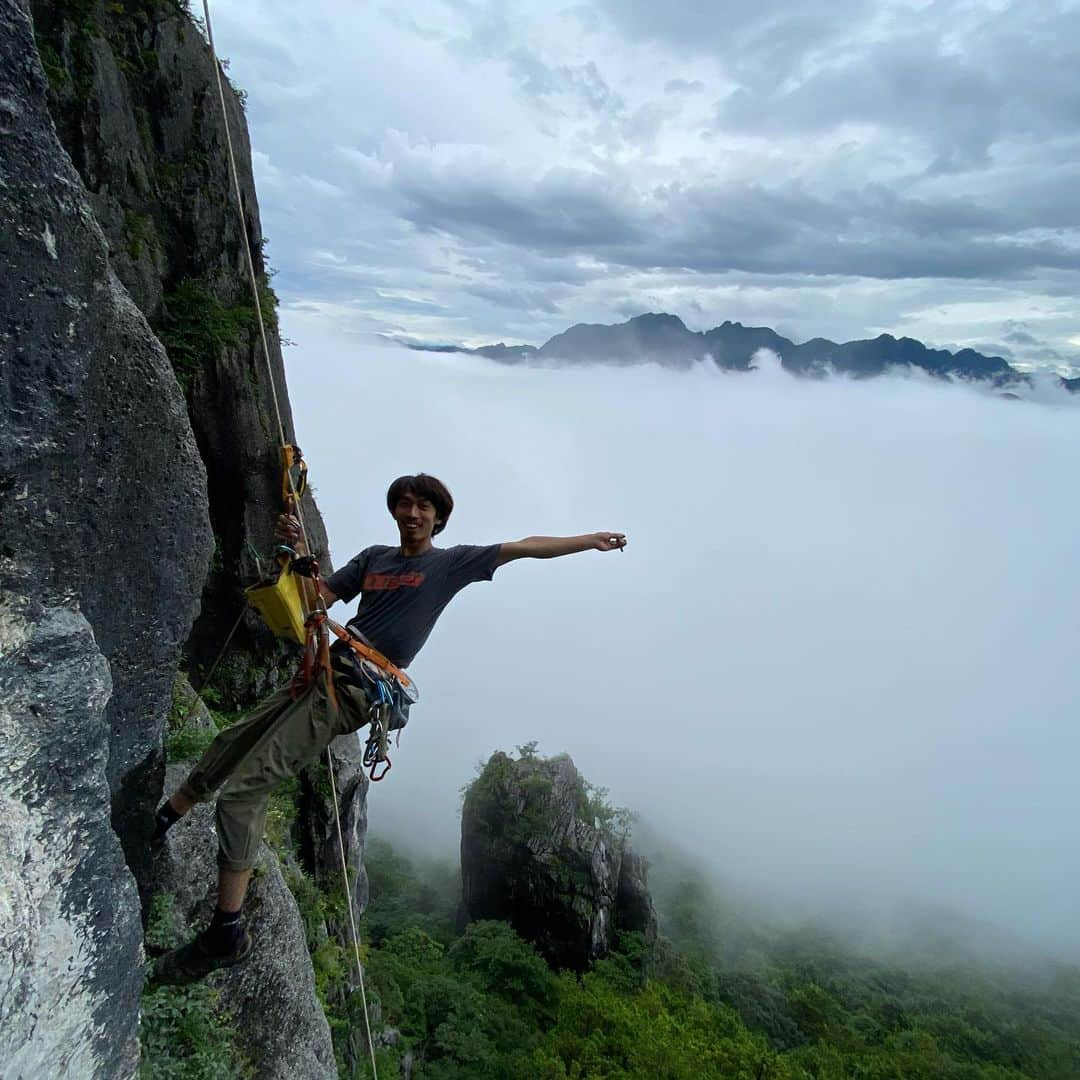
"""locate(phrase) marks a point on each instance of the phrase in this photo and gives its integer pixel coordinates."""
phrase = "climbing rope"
(295, 500)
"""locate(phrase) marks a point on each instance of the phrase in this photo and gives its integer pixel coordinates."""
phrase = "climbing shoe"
(195, 961)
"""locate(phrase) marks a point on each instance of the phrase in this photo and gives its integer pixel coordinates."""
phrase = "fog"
(837, 659)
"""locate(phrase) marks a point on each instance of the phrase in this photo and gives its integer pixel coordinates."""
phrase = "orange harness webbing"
(368, 653)
(315, 658)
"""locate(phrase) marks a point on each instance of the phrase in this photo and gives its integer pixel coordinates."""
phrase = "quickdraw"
(376, 749)
(293, 473)
(316, 658)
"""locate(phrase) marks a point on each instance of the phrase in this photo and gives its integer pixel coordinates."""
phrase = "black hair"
(423, 487)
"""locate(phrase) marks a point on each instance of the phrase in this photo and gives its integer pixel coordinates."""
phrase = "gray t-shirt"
(401, 597)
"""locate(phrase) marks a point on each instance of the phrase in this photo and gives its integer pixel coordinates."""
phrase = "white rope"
(250, 262)
(295, 500)
(352, 914)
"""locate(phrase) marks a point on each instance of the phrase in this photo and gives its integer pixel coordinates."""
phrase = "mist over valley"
(834, 661)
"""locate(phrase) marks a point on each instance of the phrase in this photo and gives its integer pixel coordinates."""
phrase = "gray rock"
(70, 936)
(271, 995)
(319, 844)
(103, 509)
(188, 709)
(107, 492)
(138, 110)
(633, 902)
(392, 1037)
(320, 838)
(532, 855)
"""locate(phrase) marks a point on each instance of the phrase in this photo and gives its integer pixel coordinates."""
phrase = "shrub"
(499, 962)
(184, 1032)
(195, 326)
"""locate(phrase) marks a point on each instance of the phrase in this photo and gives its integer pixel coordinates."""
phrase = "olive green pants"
(271, 744)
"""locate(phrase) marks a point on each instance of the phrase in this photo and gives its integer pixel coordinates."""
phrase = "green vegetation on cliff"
(186, 1032)
(196, 327)
(498, 785)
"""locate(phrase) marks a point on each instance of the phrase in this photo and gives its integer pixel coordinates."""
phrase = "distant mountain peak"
(663, 338)
(661, 318)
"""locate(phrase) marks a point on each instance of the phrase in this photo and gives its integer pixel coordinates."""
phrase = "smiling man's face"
(415, 517)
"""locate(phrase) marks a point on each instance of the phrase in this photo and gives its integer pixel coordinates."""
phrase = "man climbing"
(403, 590)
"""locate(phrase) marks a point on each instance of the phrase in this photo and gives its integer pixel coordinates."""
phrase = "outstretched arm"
(551, 547)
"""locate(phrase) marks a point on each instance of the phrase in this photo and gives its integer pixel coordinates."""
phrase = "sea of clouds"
(838, 658)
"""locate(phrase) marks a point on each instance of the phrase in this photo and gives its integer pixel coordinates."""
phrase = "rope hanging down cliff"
(316, 620)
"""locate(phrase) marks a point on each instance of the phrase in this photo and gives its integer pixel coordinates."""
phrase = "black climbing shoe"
(194, 961)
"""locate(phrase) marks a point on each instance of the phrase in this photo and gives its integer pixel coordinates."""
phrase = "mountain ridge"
(663, 338)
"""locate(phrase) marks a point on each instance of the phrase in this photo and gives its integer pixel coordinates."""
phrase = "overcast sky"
(481, 170)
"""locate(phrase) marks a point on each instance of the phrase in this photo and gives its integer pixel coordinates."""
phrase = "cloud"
(1033, 351)
(732, 157)
(960, 76)
(711, 225)
(583, 81)
(520, 299)
(1019, 336)
(682, 86)
(742, 30)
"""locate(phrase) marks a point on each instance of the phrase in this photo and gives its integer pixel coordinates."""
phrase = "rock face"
(97, 446)
(70, 936)
(188, 710)
(319, 855)
(535, 854)
(271, 996)
(104, 513)
(134, 97)
(319, 840)
(128, 470)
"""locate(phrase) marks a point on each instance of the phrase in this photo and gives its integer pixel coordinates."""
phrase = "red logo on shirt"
(379, 582)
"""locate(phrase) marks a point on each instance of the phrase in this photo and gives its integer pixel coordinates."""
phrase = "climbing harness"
(294, 480)
(364, 651)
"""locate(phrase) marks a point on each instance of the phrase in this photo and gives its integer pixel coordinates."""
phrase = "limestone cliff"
(541, 850)
(133, 94)
(105, 539)
(136, 482)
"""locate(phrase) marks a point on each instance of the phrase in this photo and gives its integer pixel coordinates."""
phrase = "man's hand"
(287, 531)
(609, 541)
(552, 547)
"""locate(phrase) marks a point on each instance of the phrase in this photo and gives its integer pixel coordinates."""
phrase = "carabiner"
(385, 761)
(371, 751)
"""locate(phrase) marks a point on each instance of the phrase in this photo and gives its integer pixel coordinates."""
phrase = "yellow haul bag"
(280, 605)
